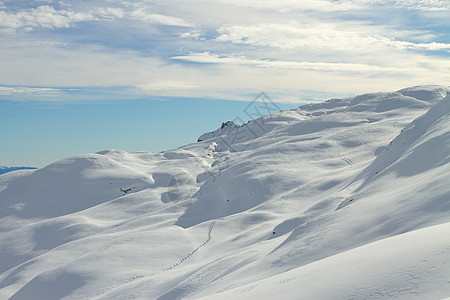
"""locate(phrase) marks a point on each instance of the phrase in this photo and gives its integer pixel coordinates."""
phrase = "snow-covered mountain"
(345, 199)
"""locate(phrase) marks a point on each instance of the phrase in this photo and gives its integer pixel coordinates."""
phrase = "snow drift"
(345, 199)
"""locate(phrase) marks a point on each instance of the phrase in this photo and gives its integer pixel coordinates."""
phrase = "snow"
(384, 269)
(345, 199)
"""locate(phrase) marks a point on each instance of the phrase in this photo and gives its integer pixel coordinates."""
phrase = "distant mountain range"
(4, 169)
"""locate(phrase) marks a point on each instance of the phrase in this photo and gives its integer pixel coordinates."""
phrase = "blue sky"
(37, 133)
(83, 76)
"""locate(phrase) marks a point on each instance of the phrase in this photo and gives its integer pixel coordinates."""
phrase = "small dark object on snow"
(273, 232)
(126, 190)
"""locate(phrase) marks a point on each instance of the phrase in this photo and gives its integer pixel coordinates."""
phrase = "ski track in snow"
(211, 226)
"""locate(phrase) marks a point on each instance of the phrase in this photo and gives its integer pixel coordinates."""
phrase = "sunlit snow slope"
(345, 199)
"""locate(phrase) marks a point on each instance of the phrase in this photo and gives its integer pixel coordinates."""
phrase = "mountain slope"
(250, 213)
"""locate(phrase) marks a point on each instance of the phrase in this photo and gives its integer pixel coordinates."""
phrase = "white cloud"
(288, 5)
(43, 16)
(223, 49)
(206, 57)
(28, 91)
(193, 34)
(110, 12)
(46, 16)
(143, 15)
(332, 37)
(422, 46)
(88, 66)
(408, 4)
(160, 85)
(340, 5)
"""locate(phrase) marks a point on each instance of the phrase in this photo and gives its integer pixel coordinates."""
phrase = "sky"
(83, 76)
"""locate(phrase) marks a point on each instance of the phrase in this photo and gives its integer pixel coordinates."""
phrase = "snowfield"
(344, 199)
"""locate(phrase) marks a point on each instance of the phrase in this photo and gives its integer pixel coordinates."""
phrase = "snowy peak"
(414, 97)
(425, 93)
(224, 129)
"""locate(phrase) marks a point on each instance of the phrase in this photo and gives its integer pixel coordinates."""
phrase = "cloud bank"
(220, 49)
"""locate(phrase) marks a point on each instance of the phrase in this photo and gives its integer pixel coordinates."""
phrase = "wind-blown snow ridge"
(344, 199)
